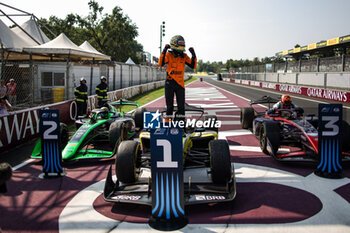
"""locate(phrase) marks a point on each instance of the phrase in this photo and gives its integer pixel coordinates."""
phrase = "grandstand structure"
(332, 55)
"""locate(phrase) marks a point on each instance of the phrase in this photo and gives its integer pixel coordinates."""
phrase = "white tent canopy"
(88, 47)
(62, 45)
(10, 40)
(130, 61)
(32, 28)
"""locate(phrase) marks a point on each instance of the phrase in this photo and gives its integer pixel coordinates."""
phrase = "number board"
(167, 174)
(50, 141)
(330, 140)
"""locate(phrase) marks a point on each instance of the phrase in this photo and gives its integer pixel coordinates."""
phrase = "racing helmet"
(104, 112)
(286, 100)
(177, 43)
(103, 78)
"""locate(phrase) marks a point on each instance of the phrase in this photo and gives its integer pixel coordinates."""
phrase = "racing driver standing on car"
(176, 60)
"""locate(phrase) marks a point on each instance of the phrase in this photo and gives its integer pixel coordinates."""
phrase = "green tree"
(112, 34)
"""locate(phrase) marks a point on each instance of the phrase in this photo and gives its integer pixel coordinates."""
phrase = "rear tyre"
(247, 117)
(116, 133)
(220, 161)
(269, 131)
(138, 117)
(125, 163)
(213, 119)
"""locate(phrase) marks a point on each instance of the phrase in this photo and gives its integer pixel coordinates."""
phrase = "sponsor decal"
(245, 82)
(237, 81)
(340, 96)
(269, 85)
(290, 88)
(255, 83)
(209, 198)
(127, 197)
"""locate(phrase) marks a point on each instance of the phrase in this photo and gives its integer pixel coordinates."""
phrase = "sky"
(218, 30)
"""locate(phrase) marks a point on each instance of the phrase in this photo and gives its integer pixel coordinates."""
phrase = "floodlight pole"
(162, 33)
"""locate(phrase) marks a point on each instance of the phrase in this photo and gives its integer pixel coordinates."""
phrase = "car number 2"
(48, 131)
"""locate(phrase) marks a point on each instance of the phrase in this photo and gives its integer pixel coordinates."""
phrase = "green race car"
(98, 135)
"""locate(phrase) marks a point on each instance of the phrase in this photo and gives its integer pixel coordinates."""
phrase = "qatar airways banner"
(326, 94)
(21, 126)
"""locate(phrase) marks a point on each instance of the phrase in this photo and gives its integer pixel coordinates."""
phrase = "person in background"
(176, 60)
(3, 88)
(101, 91)
(81, 95)
(11, 91)
(4, 106)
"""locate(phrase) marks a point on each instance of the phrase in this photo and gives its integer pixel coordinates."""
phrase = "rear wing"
(264, 100)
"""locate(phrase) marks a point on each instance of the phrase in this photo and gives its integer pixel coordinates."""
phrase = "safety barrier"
(21, 126)
(321, 93)
(339, 80)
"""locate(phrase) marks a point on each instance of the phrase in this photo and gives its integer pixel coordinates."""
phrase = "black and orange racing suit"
(175, 79)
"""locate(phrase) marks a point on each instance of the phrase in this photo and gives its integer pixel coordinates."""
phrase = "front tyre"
(269, 131)
(116, 133)
(220, 161)
(247, 117)
(125, 164)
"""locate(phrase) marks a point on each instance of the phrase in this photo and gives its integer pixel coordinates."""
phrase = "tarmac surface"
(271, 196)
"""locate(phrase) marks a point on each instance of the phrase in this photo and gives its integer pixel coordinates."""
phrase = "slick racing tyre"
(247, 117)
(116, 133)
(220, 161)
(64, 135)
(138, 117)
(213, 119)
(269, 131)
(125, 163)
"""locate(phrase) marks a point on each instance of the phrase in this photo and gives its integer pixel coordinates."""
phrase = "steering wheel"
(286, 113)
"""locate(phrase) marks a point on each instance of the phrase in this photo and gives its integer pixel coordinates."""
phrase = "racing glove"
(192, 52)
(167, 46)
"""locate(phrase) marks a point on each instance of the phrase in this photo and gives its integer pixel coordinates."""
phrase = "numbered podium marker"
(168, 212)
(330, 140)
(50, 143)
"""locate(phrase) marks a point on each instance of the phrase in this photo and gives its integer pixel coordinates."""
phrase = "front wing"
(198, 188)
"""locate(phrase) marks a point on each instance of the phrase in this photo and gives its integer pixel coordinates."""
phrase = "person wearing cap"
(176, 59)
(11, 91)
(81, 95)
(4, 106)
(101, 91)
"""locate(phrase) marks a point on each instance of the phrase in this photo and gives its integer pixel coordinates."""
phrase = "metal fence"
(329, 64)
(40, 83)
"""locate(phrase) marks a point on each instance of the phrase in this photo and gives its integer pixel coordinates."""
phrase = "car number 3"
(331, 126)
